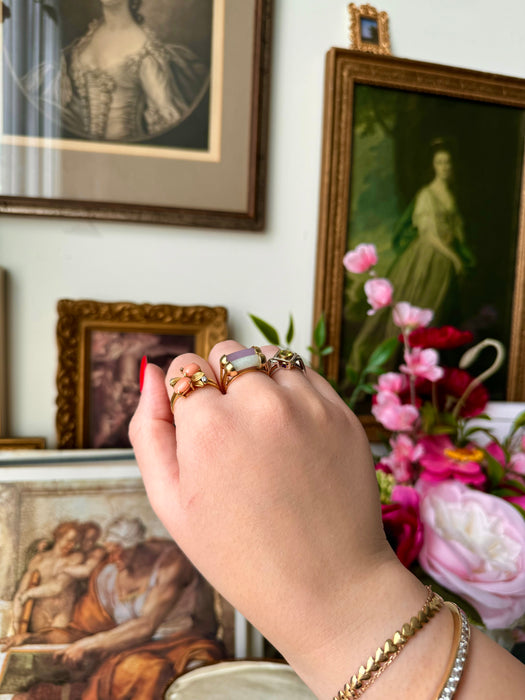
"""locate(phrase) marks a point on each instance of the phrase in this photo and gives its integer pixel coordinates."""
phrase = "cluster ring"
(285, 359)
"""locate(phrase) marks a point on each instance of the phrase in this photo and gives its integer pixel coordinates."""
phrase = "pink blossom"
(496, 450)
(408, 317)
(361, 259)
(402, 457)
(422, 363)
(402, 524)
(443, 460)
(378, 294)
(392, 381)
(474, 545)
(517, 463)
(392, 414)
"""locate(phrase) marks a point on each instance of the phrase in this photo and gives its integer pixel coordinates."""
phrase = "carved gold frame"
(344, 70)
(78, 318)
(367, 12)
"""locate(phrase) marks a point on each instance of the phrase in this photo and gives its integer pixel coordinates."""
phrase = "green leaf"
(351, 375)
(320, 332)
(328, 350)
(267, 330)
(495, 470)
(519, 422)
(368, 388)
(383, 352)
(290, 332)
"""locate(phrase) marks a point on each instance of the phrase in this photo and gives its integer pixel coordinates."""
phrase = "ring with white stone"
(285, 359)
(239, 362)
(192, 378)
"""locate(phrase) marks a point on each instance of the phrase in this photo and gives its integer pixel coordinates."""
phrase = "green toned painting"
(435, 185)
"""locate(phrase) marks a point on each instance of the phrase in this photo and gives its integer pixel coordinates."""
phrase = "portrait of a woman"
(431, 254)
(118, 81)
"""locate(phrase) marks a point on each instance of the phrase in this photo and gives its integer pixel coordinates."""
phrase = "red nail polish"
(143, 364)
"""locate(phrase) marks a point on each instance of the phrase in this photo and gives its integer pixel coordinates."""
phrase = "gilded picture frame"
(369, 29)
(88, 493)
(172, 132)
(380, 116)
(100, 347)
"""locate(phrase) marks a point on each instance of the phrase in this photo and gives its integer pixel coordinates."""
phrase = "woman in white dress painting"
(118, 82)
(431, 257)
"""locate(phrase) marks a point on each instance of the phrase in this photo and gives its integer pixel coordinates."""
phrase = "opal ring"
(285, 359)
(239, 362)
(192, 378)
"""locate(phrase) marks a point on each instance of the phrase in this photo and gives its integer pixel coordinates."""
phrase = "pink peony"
(517, 463)
(361, 259)
(402, 524)
(401, 459)
(422, 363)
(392, 381)
(443, 460)
(378, 294)
(392, 414)
(409, 317)
(474, 545)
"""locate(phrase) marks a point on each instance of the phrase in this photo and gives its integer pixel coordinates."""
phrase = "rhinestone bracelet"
(458, 655)
(384, 656)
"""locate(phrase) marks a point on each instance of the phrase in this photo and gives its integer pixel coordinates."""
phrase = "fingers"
(152, 435)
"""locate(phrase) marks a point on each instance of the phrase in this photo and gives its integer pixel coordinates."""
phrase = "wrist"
(361, 619)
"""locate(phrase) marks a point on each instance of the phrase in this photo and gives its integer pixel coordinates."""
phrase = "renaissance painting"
(432, 158)
(96, 599)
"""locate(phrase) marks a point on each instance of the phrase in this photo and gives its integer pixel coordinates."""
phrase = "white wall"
(270, 273)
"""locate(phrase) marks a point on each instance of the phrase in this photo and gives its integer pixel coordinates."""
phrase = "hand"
(14, 640)
(74, 655)
(269, 489)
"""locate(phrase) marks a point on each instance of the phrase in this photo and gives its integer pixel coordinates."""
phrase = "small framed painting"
(100, 347)
(369, 29)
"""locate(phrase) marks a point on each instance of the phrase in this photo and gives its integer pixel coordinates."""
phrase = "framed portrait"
(73, 536)
(137, 110)
(100, 347)
(426, 162)
(369, 29)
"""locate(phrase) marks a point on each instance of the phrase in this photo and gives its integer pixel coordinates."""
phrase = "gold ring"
(236, 363)
(192, 378)
(285, 359)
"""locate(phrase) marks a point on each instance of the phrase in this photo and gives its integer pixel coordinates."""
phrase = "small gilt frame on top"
(369, 29)
(100, 348)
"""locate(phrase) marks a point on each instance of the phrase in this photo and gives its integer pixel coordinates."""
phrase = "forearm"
(124, 636)
(356, 626)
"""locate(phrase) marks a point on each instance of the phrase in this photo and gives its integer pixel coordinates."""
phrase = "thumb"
(153, 437)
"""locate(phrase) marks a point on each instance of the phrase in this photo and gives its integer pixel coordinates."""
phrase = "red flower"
(402, 524)
(442, 338)
(452, 386)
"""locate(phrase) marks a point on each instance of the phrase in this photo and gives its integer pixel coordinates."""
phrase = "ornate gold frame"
(367, 12)
(78, 318)
(344, 70)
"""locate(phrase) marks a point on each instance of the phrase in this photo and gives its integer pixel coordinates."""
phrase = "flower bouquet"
(452, 493)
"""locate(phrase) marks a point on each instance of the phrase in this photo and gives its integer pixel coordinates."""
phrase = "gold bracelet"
(458, 654)
(384, 656)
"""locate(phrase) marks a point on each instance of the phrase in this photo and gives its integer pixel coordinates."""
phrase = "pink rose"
(401, 459)
(391, 413)
(361, 259)
(474, 545)
(378, 294)
(402, 524)
(409, 317)
(422, 363)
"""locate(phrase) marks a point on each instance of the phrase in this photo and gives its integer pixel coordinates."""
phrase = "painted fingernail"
(143, 364)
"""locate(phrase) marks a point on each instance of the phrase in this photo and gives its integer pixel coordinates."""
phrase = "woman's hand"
(270, 490)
